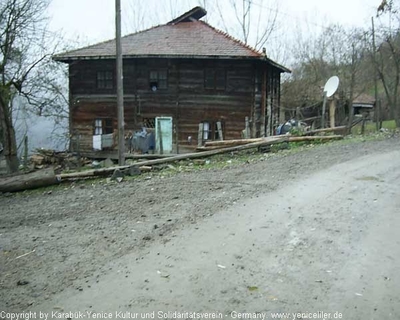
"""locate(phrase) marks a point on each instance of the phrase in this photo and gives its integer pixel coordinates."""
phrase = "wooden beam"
(230, 143)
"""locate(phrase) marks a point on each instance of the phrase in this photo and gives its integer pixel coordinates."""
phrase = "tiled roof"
(195, 38)
(184, 37)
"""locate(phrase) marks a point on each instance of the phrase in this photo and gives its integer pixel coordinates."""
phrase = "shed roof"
(364, 99)
(183, 37)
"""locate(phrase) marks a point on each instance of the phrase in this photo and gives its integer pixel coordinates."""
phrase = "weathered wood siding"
(186, 99)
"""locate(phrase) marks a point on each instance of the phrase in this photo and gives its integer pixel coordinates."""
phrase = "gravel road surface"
(296, 232)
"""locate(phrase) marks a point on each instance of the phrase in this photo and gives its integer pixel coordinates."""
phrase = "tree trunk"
(397, 120)
(7, 138)
(26, 181)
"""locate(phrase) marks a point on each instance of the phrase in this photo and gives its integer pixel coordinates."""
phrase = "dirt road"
(314, 231)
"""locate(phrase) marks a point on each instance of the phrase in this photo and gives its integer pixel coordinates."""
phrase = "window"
(210, 130)
(158, 80)
(206, 130)
(149, 123)
(105, 80)
(215, 79)
(216, 131)
(103, 126)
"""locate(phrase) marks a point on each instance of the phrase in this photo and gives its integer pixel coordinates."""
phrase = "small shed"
(364, 104)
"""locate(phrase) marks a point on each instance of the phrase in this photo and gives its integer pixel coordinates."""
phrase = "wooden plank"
(200, 135)
(219, 127)
(247, 128)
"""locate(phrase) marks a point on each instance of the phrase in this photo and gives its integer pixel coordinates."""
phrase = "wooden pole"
(377, 107)
(332, 110)
(323, 111)
(26, 152)
(352, 84)
(120, 88)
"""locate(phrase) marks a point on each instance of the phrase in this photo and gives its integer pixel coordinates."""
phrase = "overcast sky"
(93, 20)
(90, 21)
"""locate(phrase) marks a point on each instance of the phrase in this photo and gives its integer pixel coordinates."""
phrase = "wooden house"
(186, 70)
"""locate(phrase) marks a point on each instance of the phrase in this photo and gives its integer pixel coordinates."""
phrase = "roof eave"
(69, 59)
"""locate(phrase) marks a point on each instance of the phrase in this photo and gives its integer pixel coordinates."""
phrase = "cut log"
(37, 179)
(108, 171)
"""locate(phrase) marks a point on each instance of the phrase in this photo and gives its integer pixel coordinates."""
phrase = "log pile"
(59, 160)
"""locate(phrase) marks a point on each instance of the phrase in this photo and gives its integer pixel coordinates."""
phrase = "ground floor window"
(213, 130)
(149, 123)
(103, 126)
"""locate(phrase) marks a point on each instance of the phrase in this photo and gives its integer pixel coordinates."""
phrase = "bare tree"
(336, 51)
(254, 21)
(141, 14)
(386, 58)
(27, 74)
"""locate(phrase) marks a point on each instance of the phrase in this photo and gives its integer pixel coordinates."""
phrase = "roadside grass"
(370, 127)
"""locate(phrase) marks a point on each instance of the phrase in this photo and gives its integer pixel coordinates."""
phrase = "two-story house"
(185, 69)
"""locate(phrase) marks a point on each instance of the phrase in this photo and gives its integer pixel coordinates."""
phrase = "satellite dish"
(331, 86)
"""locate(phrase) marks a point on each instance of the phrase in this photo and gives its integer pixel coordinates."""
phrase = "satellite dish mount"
(329, 90)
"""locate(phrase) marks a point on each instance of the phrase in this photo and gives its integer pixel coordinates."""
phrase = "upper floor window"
(105, 80)
(158, 79)
(215, 79)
